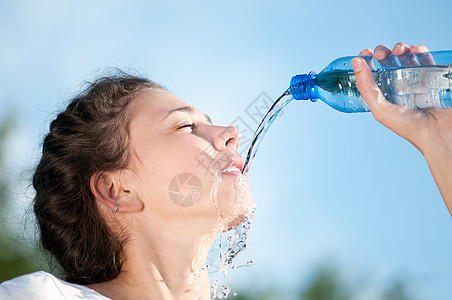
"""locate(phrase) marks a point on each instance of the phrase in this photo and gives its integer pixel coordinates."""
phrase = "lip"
(235, 161)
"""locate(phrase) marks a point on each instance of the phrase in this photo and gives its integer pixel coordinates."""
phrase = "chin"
(237, 221)
(233, 200)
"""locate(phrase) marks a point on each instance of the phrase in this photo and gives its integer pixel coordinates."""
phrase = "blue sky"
(329, 186)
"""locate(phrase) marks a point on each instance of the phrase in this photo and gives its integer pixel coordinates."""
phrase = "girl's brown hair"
(90, 136)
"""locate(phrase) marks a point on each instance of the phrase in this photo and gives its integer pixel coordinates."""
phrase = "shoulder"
(43, 285)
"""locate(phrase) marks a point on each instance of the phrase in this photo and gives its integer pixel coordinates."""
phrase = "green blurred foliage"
(250, 295)
(15, 257)
(397, 290)
(325, 283)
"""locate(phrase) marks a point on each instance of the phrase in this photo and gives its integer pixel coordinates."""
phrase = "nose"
(224, 137)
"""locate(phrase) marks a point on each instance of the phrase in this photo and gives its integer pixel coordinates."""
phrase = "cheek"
(175, 183)
(170, 159)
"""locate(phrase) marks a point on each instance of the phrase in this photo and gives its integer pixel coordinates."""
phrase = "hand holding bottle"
(429, 130)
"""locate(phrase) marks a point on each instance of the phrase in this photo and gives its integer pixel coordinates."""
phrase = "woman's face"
(183, 163)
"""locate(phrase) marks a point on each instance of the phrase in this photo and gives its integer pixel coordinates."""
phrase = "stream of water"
(265, 124)
(233, 236)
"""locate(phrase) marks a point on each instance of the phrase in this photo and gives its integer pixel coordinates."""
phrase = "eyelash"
(191, 125)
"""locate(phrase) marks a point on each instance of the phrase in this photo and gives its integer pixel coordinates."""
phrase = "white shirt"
(42, 285)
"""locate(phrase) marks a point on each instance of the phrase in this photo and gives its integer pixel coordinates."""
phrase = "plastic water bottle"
(415, 80)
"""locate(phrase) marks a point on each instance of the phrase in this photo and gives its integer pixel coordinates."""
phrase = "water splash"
(233, 237)
(233, 233)
(236, 240)
(265, 124)
(213, 288)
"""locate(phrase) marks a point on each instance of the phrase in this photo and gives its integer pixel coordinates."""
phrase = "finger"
(395, 117)
(404, 55)
(381, 52)
(383, 55)
(366, 52)
(368, 57)
(366, 85)
(418, 49)
(423, 55)
(400, 48)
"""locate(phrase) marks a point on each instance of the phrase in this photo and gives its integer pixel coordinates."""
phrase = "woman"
(121, 201)
(109, 199)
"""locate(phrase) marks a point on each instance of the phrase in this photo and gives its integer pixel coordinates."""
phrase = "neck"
(164, 264)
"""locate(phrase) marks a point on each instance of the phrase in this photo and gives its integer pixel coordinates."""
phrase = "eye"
(190, 125)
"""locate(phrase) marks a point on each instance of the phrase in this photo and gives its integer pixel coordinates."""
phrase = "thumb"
(399, 119)
(366, 84)
(382, 109)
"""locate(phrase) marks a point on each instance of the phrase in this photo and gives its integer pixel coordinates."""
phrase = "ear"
(116, 189)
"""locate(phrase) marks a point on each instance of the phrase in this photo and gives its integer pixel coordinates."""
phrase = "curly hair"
(90, 136)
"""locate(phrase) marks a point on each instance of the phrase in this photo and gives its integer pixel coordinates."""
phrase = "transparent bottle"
(415, 80)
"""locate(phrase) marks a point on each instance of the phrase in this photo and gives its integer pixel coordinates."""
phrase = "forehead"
(152, 106)
(156, 102)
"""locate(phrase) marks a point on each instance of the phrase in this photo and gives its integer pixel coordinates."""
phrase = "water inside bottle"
(264, 125)
(417, 87)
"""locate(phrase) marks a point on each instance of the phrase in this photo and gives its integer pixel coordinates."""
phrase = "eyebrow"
(188, 109)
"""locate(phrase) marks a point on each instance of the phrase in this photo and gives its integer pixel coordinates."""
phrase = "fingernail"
(356, 63)
(378, 50)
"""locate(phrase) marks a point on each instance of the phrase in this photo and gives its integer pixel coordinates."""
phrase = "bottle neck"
(302, 87)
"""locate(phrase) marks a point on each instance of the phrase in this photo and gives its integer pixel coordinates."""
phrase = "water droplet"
(226, 291)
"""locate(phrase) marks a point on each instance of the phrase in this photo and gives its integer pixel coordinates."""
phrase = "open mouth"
(232, 169)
